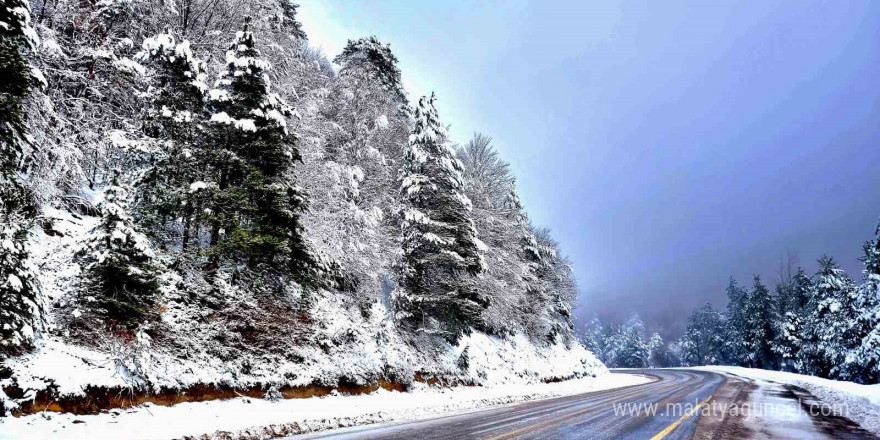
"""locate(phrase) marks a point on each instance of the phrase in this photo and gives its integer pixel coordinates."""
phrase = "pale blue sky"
(667, 144)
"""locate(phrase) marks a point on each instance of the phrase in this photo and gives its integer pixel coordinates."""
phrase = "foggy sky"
(668, 145)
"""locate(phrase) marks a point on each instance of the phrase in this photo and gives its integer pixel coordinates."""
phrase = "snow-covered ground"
(861, 403)
(257, 418)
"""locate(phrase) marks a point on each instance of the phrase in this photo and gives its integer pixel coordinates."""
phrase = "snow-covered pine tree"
(120, 275)
(674, 354)
(441, 251)
(287, 20)
(833, 322)
(632, 351)
(175, 180)
(371, 55)
(516, 214)
(20, 313)
(658, 357)
(865, 359)
(738, 328)
(705, 339)
(256, 205)
(789, 339)
(594, 338)
(17, 39)
(792, 299)
(20, 310)
(760, 319)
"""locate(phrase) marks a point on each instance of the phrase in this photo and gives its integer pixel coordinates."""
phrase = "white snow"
(241, 124)
(197, 186)
(14, 282)
(130, 66)
(861, 401)
(246, 416)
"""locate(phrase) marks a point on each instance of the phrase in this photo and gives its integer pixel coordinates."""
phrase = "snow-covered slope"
(345, 348)
(213, 210)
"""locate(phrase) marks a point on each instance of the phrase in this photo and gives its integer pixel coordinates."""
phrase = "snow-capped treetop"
(117, 228)
(179, 79)
(375, 58)
(431, 161)
(163, 48)
(871, 258)
(242, 95)
(285, 16)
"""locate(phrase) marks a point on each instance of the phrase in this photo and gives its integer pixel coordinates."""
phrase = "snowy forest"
(823, 324)
(194, 196)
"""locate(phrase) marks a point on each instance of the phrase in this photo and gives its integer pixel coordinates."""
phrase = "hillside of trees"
(824, 324)
(191, 192)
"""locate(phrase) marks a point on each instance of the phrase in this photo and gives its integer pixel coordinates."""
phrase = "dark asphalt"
(585, 416)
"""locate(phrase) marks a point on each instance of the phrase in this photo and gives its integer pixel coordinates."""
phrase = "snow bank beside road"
(862, 402)
(257, 418)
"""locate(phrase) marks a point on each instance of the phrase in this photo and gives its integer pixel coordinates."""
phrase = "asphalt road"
(585, 416)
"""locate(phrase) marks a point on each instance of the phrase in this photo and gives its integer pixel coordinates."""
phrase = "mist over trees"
(825, 324)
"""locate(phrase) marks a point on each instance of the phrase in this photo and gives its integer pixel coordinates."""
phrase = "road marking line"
(675, 424)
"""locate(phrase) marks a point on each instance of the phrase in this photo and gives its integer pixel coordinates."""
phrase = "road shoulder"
(749, 408)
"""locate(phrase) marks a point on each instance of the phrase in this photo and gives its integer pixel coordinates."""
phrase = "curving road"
(584, 416)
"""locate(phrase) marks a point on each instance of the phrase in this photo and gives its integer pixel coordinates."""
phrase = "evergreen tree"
(20, 313)
(658, 355)
(256, 206)
(519, 219)
(20, 310)
(17, 39)
(705, 339)
(674, 353)
(627, 345)
(636, 353)
(440, 246)
(594, 339)
(172, 185)
(738, 327)
(121, 283)
(866, 357)
(792, 299)
(833, 323)
(759, 319)
(286, 18)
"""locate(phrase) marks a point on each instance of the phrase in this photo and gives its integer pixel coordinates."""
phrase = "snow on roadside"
(258, 418)
(862, 402)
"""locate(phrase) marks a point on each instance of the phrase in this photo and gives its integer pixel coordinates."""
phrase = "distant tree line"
(625, 345)
(824, 324)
